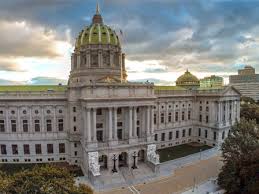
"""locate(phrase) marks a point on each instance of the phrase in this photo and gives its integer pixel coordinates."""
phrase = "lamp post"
(114, 163)
(200, 153)
(134, 159)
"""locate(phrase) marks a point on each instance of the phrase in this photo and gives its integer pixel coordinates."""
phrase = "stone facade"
(102, 122)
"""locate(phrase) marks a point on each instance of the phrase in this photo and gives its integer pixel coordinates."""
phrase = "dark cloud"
(203, 35)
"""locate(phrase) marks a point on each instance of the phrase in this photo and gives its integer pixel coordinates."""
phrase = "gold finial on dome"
(97, 9)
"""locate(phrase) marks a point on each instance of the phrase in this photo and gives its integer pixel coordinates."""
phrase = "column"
(152, 120)
(84, 124)
(115, 124)
(7, 119)
(100, 59)
(218, 111)
(94, 124)
(110, 123)
(88, 59)
(54, 120)
(111, 59)
(78, 61)
(148, 121)
(30, 121)
(88, 123)
(42, 120)
(130, 122)
(166, 114)
(19, 129)
(134, 122)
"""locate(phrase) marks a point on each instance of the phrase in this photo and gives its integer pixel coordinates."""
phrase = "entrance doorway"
(141, 156)
(123, 157)
(103, 162)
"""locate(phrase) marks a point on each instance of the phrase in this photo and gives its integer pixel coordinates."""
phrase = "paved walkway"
(177, 175)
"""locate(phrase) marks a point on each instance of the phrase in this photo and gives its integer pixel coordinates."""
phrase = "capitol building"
(102, 122)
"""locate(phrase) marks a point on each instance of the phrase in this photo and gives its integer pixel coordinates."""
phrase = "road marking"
(131, 190)
(135, 189)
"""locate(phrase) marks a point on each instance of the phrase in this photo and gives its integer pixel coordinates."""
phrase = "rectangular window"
(170, 135)
(2, 126)
(50, 148)
(154, 118)
(214, 135)
(15, 149)
(60, 125)
(199, 131)
(163, 137)
(25, 126)
(74, 119)
(200, 108)
(99, 111)
(119, 134)
(62, 148)
(200, 118)
(119, 111)
(206, 133)
(190, 131)
(169, 117)
(119, 124)
(155, 137)
(26, 149)
(177, 135)
(183, 134)
(13, 125)
(37, 125)
(207, 118)
(49, 126)
(189, 115)
(182, 116)
(99, 135)
(3, 149)
(176, 116)
(138, 132)
(207, 108)
(99, 125)
(162, 118)
(74, 109)
(38, 148)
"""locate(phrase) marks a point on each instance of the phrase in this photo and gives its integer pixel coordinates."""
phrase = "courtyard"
(180, 151)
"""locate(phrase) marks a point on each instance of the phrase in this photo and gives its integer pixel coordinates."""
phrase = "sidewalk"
(167, 171)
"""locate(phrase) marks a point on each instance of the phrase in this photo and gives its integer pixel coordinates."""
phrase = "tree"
(240, 151)
(47, 179)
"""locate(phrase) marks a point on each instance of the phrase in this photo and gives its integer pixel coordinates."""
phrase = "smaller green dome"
(97, 33)
(187, 79)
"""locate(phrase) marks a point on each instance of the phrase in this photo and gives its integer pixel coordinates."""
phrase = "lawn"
(180, 151)
(32, 88)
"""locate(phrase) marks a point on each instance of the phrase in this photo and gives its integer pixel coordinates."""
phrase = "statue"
(152, 156)
(93, 162)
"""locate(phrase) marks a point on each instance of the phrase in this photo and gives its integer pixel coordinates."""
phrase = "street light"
(134, 158)
(114, 163)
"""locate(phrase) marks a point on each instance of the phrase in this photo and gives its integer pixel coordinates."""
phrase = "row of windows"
(169, 117)
(170, 106)
(37, 126)
(214, 134)
(35, 111)
(38, 150)
(177, 134)
(37, 160)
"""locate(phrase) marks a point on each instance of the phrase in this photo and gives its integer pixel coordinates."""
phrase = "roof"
(32, 88)
(187, 79)
(169, 88)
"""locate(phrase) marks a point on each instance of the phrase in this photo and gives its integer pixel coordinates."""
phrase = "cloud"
(24, 39)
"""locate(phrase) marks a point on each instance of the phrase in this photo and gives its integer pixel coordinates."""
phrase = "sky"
(161, 38)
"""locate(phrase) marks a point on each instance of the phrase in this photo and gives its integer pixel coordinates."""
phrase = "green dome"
(187, 79)
(97, 33)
